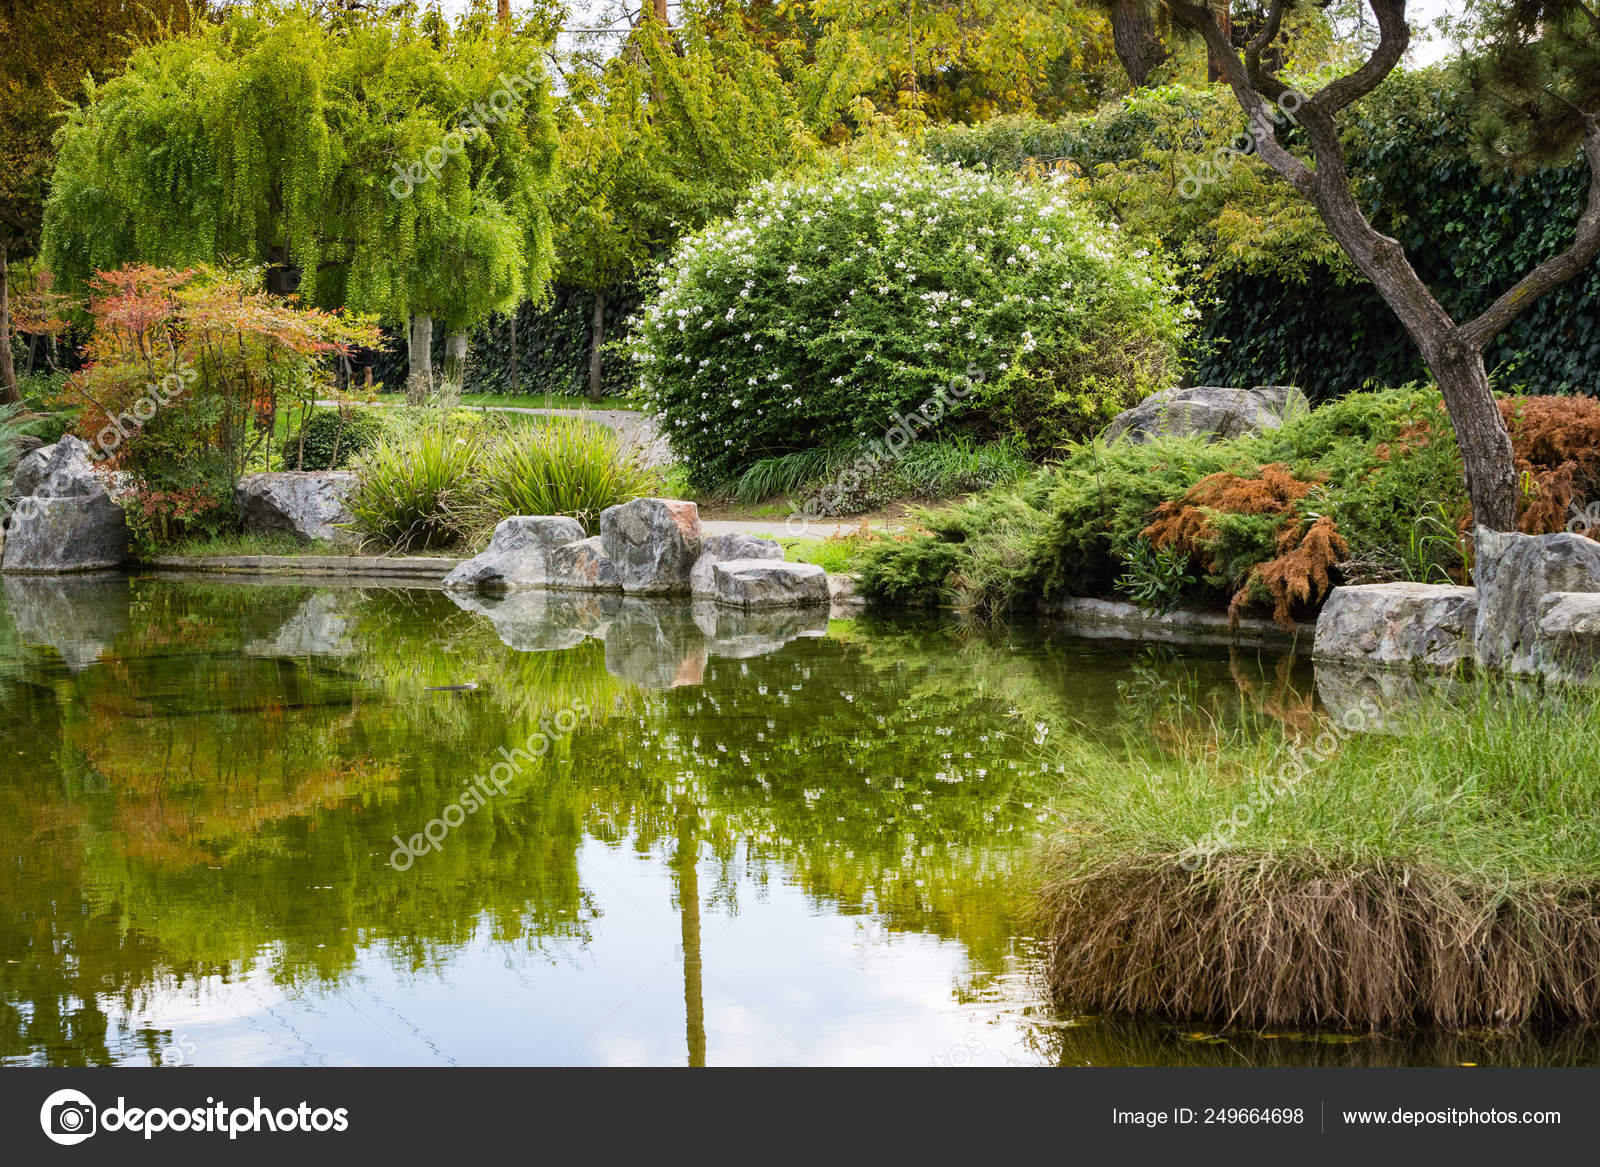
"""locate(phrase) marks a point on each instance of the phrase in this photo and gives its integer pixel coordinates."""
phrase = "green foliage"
(1154, 577)
(835, 556)
(1389, 475)
(828, 310)
(1283, 306)
(573, 468)
(415, 491)
(331, 438)
(355, 154)
(909, 574)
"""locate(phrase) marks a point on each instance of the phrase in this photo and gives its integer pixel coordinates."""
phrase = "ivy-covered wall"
(552, 348)
(1471, 232)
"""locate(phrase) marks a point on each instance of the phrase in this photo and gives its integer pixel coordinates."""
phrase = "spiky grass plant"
(571, 467)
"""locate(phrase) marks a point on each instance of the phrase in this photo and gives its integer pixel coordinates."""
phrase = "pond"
(291, 824)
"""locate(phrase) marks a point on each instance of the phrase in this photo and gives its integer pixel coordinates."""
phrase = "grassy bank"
(1365, 489)
(1446, 872)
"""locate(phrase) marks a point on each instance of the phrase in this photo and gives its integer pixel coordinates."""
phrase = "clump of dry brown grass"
(1265, 940)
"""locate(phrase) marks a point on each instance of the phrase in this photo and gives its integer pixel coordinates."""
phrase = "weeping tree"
(386, 163)
(663, 136)
(1537, 71)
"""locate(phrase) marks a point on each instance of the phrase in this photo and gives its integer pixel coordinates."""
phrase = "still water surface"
(750, 839)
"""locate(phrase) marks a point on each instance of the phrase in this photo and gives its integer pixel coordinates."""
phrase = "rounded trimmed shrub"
(829, 310)
(332, 442)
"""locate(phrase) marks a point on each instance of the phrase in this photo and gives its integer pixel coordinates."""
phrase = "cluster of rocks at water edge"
(1534, 611)
(647, 547)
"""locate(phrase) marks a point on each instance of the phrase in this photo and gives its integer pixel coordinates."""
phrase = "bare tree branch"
(1557, 269)
(1393, 37)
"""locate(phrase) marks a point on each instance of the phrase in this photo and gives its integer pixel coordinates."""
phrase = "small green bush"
(573, 468)
(331, 440)
(827, 311)
(416, 492)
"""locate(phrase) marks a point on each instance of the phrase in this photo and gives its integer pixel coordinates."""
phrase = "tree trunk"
(503, 13)
(516, 368)
(1137, 44)
(1224, 13)
(597, 337)
(455, 359)
(419, 354)
(1480, 432)
(694, 1007)
(9, 394)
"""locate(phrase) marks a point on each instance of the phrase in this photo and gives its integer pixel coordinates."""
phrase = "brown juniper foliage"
(1556, 444)
(1308, 551)
(1302, 941)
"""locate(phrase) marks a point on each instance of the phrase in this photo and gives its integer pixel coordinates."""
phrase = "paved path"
(779, 529)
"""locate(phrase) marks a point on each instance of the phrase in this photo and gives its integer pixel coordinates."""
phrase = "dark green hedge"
(1471, 232)
(552, 348)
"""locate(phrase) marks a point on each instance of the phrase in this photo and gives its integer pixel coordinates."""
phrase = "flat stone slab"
(769, 583)
(1398, 624)
(421, 566)
(1116, 620)
(716, 549)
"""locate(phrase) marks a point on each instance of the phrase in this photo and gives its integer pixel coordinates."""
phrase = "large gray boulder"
(1208, 411)
(64, 470)
(78, 533)
(1398, 624)
(312, 504)
(582, 566)
(1514, 573)
(714, 549)
(769, 583)
(653, 543)
(518, 555)
(1569, 635)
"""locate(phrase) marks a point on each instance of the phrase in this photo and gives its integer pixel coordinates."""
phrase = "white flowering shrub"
(827, 307)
